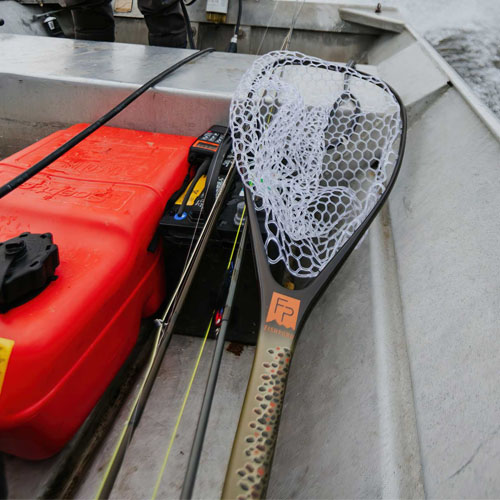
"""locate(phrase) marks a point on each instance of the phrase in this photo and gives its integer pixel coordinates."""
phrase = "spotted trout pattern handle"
(249, 467)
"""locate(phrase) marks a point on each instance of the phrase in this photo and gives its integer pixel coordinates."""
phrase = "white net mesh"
(315, 142)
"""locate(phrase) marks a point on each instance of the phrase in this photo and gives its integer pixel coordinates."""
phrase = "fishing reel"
(210, 157)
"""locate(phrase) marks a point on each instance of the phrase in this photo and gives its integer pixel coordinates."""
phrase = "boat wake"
(465, 33)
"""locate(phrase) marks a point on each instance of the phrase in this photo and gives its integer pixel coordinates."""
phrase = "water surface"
(466, 33)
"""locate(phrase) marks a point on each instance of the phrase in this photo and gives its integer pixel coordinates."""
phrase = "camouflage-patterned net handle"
(318, 146)
(248, 471)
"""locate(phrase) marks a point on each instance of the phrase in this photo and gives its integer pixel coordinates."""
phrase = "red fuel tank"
(102, 202)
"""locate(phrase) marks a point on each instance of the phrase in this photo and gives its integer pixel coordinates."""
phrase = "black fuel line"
(45, 162)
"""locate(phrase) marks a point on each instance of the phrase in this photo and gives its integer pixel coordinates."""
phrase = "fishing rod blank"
(45, 162)
(199, 437)
(164, 330)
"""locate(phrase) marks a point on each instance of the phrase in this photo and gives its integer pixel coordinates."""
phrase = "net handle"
(283, 313)
(251, 457)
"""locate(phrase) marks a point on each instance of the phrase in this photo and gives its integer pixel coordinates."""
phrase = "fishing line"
(267, 27)
(163, 336)
(224, 315)
(181, 412)
(193, 374)
(236, 238)
(103, 491)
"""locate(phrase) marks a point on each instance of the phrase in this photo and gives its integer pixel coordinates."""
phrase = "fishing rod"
(167, 320)
(224, 315)
(164, 329)
(233, 44)
(227, 289)
(172, 312)
(71, 143)
(232, 274)
(288, 38)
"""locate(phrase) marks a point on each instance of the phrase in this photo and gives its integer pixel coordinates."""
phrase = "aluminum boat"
(394, 389)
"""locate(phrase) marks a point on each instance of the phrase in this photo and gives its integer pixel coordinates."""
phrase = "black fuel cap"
(27, 265)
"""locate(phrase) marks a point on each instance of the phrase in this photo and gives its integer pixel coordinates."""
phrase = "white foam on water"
(466, 33)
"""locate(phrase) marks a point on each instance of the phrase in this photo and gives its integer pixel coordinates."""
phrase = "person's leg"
(93, 19)
(165, 22)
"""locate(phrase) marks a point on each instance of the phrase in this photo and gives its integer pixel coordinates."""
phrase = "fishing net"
(315, 142)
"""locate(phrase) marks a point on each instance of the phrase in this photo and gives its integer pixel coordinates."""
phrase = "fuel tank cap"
(27, 265)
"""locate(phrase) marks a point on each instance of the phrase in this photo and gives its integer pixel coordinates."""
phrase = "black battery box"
(183, 221)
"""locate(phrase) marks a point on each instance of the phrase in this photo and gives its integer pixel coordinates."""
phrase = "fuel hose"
(61, 150)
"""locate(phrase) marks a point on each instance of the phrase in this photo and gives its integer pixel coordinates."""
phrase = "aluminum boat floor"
(146, 452)
(393, 391)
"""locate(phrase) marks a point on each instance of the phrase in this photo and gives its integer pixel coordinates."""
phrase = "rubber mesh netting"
(315, 142)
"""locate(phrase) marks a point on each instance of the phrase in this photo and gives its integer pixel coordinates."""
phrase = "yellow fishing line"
(236, 237)
(186, 396)
(124, 430)
(179, 416)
